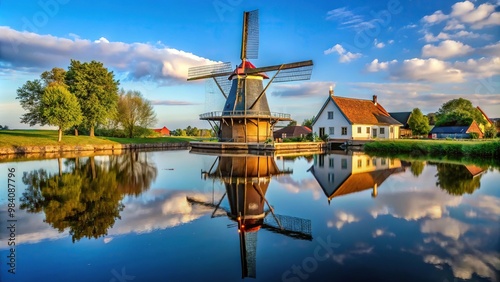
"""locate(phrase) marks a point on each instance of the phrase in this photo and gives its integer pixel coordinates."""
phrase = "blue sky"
(409, 53)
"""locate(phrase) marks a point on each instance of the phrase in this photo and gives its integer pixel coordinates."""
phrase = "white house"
(342, 174)
(345, 119)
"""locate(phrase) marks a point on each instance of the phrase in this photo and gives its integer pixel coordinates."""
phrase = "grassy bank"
(22, 138)
(469, 149)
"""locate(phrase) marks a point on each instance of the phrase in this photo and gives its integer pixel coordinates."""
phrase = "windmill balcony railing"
(220, 114)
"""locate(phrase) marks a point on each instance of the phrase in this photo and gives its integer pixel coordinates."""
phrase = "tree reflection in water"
(458, 179)
(87, 198)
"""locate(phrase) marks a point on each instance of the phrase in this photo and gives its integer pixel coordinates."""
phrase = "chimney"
(331, 90)
(375, 99)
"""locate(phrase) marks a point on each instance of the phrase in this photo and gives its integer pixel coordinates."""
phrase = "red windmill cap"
(240, 70)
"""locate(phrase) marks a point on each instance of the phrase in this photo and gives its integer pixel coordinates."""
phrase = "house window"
(330, 115)
(383, 161)
(382, 130)
(331, 177)
(343, 164)
(374, 162)
(367, 130)
(344, 130)
(321, 160)
(367, 162)
(360, 163)
(321, 131)
(331, 130)
(331, 162)
(359, 129)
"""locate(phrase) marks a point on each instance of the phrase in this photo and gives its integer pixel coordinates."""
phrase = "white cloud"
(447, 226)
(376, 66)
(379, 44)
(342, 218)
(429, 37)
(446, 49)
(348, 19)
(493, 19)
(101, 40)
(303, 90)
(415, 69)
(435, 18)
(344, 56)
(466, 12)
(26, 50)
(454, 24)
(481, 68)
(435, 70)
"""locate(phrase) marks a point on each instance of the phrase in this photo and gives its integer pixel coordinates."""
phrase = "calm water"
(180, 216)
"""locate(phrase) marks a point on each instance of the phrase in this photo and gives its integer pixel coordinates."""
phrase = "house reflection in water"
(343, 173)
(246, 179)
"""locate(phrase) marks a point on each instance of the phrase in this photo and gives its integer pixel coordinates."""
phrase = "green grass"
(15, 138)
(463, 148)
(168, 139)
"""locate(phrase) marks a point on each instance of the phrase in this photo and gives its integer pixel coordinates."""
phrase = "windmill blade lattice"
(208, 71)
(301, 73)
(290, 226)
(250, 42)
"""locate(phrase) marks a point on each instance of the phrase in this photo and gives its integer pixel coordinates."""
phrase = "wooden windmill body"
(246, 116)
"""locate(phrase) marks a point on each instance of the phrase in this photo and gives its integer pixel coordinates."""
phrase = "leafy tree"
(419, 124)
(96, 90)
(30, 97)
(60, 108)
(417, 167)
(308, 122)
(134, 111)
(458, 112)
(56, 76)
(490, 132)
(432, 118)
(292, 123)
(456, 179)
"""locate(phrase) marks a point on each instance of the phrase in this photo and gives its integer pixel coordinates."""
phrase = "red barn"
(163, 131)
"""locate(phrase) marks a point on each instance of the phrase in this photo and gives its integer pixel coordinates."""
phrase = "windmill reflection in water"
(246, 179)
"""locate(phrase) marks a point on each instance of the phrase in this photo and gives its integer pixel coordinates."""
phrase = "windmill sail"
(250, 37)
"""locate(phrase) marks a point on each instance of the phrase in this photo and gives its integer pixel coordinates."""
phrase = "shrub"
(474, 135)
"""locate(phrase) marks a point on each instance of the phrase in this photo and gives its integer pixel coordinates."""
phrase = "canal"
(181, 216)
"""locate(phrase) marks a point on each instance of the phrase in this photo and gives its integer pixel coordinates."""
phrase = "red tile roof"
(358, 111)
(292, 131)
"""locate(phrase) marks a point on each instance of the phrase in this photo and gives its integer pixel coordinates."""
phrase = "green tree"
(60, 108)
(308, 122)
(96, 90)
(30, 97)
(419, 124)
(458, 112)
(134, 111)
(490, 132)
(56, 76)
(432, 118)
(456, 179)
(417, 167)
(292, 123)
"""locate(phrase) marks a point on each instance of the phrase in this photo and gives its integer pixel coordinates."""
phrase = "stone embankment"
(83, 150)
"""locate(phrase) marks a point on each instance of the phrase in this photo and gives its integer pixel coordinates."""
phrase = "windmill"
(246, 116)
(246, 179)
